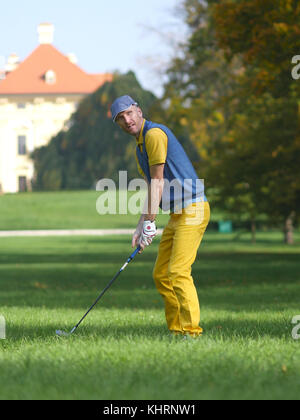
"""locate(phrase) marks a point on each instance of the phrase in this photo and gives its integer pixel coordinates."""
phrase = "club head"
(62, 333)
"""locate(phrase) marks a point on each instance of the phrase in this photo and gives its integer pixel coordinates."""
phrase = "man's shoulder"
(150, 125)
(155, 132)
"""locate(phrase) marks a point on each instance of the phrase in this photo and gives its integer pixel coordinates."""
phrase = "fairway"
(190, 155)
(249, 295)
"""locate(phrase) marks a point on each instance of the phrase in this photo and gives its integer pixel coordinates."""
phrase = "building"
(37, 98)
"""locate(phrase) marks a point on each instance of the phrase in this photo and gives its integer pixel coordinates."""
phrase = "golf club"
(61, 333)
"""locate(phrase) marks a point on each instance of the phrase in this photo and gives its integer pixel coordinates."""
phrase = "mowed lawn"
(249, 295)
(63, 210)
(69, 210)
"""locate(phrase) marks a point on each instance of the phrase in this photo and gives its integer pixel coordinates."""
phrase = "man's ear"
(140, 112)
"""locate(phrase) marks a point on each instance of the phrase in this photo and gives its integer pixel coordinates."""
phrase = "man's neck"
(139, 133)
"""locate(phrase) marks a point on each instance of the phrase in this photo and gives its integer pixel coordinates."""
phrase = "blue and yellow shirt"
(156, 142)
(157, 145)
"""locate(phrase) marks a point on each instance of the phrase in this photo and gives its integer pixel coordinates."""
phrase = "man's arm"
(139, 229)
(155, 191)
(153, 199)
(145, 210)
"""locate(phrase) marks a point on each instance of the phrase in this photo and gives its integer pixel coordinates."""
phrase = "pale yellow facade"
(28, 123)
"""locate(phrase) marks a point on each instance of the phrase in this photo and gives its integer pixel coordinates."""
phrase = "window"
(22, 184)
(50, 77)
(22, 145)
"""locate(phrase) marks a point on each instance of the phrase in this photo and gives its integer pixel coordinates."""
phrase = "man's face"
(131, 120)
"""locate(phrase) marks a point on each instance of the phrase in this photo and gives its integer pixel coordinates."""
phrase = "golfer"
(172, 185)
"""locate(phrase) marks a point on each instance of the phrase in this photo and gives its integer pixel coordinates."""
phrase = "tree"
(265, 35)
(93, 147)
(240, 103)
(200, 79)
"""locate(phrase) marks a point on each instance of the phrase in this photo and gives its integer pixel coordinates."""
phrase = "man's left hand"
(149, 232)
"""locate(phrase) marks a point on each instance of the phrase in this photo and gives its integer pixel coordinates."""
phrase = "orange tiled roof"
(29, 77)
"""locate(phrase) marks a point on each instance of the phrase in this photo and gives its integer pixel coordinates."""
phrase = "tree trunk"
(253, 231)
(289, 229)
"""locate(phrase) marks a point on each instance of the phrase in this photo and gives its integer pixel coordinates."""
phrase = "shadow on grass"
(135, 290)
(219, 329)
(118, 258)
(72, 273)
(155, 331)
(89, 256)
(29, 273)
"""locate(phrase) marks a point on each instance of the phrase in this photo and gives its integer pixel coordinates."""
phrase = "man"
(163, 163)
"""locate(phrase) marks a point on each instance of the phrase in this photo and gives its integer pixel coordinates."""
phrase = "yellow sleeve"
(156, 146)
(139, 167)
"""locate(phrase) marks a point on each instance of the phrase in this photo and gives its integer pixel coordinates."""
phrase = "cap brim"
(114, 119)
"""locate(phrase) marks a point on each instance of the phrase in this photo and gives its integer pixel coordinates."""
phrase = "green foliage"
(265, 114)
(93, 147)
(200, 80)
(241, 104)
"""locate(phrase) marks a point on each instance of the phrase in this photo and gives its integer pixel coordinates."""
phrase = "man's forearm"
(142, 219)
(155, 191)
(146, 229)
(144, 213)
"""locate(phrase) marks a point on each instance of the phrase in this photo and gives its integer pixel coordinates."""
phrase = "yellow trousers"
(173, 268)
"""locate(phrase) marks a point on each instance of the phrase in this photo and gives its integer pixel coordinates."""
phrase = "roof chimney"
(72, 57)
(2, 67)
(12, 64)
(46, 33)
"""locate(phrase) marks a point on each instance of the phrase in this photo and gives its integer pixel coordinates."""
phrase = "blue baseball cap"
(121, 104)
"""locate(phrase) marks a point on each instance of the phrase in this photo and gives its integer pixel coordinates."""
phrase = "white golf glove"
(149, 232)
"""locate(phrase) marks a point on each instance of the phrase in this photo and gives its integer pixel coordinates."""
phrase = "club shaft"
(107, 287)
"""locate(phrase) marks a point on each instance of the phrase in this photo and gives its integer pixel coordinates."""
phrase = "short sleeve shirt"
(156, 142)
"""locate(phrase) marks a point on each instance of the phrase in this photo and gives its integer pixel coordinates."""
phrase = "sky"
(104, 35)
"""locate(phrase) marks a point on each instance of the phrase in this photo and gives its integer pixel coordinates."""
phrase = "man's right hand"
(136, 239)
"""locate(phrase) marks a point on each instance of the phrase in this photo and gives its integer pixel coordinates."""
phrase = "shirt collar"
(140, 140)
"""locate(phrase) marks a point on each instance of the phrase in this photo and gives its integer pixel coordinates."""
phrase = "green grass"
(249, 295)
(64, 210)
(59, 210)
